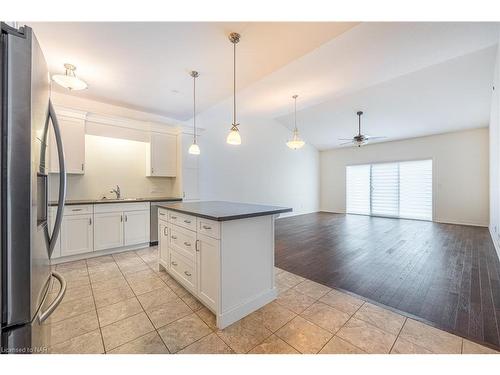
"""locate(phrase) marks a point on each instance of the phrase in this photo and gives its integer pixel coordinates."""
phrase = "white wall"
(460, 172)
(260, 170)
(495, 158)
(110, 162)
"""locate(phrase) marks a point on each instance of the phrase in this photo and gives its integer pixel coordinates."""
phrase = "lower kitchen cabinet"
(228, 265)
(207, 262)
(108, 230)
(77, 235)
(136, 227)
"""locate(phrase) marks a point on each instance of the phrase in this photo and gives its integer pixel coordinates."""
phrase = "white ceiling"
(450, 96)
(410, 79)
(146, 66)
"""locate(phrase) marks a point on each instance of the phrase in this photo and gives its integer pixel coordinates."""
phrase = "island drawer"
(183, 241)
(162, 215)
(183, 269)
(209, 228)
(183, 220)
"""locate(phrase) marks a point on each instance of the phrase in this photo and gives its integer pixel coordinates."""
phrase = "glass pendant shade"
(295, 143)
(234, 138)
(69, 80)
(194, 149)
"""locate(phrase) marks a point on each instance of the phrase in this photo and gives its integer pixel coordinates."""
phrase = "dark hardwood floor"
(447, 275)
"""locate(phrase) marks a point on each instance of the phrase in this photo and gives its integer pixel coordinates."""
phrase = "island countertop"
(224, 211)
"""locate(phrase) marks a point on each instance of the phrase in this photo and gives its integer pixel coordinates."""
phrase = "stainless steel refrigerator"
(26, 115)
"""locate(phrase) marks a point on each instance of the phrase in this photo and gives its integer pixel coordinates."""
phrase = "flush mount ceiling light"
(295, 143)
(194, 149)
(69, 80)
(234, 138)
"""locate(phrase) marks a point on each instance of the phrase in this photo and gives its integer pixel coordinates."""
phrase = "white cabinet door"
(108, 230)
(208, 270)
(73, 138)
(76, 235)
(162, 155)
(164, 251)
(136, 227)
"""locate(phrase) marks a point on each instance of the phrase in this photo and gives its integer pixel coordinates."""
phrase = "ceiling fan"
(359, 139)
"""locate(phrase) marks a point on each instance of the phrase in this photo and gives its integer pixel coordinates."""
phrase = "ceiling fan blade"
(372, 137)
(346, 143)
(345, 139)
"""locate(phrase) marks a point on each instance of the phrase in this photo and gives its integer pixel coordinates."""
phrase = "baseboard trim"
(99, 253)
(445, 221)
(236, 313)
(495, 242)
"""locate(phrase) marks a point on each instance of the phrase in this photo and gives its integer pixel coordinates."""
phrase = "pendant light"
(69, 80)
(194, 149)
(234, 138)
(295, 143)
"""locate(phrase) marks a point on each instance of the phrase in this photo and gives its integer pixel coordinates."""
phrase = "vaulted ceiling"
(410, 79)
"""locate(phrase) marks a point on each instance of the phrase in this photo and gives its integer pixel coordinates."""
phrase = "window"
(402, 189)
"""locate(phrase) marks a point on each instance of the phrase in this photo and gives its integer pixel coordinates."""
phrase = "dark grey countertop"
(125, 200)
(223, 211)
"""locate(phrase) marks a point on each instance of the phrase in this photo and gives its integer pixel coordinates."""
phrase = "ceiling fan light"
(234, 138)
(69, 80)
(194, 149)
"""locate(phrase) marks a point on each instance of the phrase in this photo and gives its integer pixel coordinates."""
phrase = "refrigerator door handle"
(44, 315)
(62, 180)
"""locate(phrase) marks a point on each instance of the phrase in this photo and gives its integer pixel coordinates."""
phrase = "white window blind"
(358, 189)
(385, 189)
(416, 189)
(401, 189)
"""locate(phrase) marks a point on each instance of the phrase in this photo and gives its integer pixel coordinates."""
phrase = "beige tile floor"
(121, 304)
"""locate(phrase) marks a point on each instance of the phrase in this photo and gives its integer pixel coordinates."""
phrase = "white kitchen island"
(222, 253)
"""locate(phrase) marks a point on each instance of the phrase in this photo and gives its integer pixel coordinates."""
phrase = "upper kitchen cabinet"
(161, 157)
(73, 139)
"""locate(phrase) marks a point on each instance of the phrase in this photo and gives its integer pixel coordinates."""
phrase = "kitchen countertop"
(125, 200)
(223, 211)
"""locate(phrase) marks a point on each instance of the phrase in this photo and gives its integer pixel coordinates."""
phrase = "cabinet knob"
(206, 227)
(173, 217)
(187, 221)
(174, 264)
(90, 221)
(187, 273)
(173, 237)
(187, 243)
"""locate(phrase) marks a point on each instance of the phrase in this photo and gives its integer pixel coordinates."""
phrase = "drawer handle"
(174, 264)
(173, 217)
(187, 243)
(173, 237)
(206, 227)
(76, 209)
(165, 231)
(162, 214)
(187, 221)
(187, 273)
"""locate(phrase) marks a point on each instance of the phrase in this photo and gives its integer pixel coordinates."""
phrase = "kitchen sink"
(120, 199)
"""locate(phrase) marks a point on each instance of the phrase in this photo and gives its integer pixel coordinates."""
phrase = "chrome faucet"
(116, 191)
